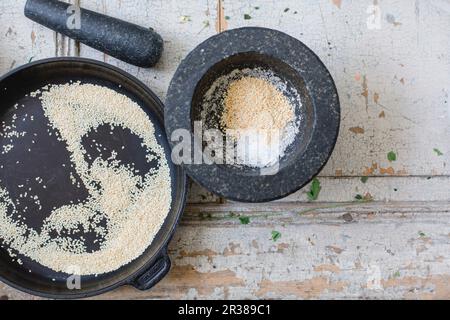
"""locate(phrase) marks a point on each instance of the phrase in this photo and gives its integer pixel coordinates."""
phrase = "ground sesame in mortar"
(254, 103)
(134, 207)
(258, 112)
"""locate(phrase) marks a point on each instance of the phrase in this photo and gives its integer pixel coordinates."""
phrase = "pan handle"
(123, 40)
(154, 274)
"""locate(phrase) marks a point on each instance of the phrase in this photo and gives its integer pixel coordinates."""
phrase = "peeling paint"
(389, 171)
(337, 3)
(221, 21)
(327, 268)
(308, 289)
(357, 130)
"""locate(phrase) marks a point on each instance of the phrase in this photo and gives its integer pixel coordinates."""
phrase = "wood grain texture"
(384, 251)
(393, 84)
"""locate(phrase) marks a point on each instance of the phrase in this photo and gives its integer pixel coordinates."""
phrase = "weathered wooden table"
(391, 64)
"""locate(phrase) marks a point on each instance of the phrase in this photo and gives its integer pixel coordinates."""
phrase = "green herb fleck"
(396, 274)
(244, 220)
(421, 234)
(392, 156)
(365, 198)
(286, 10)
(313, 194)
(184, 19)
(276, 235)
(247, 17)
(364, 179)
(227, 18)
(31, 59)
(438, 152)
(256, 8)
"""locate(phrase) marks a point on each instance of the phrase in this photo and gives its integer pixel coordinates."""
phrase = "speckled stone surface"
(123, 40)
(298, 168)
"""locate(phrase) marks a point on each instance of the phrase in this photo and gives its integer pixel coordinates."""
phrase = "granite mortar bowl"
(305, 76)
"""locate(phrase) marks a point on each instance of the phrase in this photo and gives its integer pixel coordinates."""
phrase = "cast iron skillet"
(46, 160)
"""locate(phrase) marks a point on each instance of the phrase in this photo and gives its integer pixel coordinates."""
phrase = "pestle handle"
(123, 40)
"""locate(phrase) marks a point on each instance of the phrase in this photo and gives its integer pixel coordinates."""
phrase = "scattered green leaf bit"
(365, 198)
(286, 10)
(247, 17)
(256, 8)
(313, 194)
(206, 23)
(392, 156)
(184, 19)
(396, 274)
(422, 234)
(244, 220)
(227, 18)
(364, 179)
(276, 235)
(438, 152)
(31, 59)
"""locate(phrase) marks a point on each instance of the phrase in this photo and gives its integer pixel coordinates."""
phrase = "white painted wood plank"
(367, 54)
(401, 69)
(385, 251)
(20, 39)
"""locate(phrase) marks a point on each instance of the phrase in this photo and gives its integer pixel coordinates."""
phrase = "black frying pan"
(46, 161)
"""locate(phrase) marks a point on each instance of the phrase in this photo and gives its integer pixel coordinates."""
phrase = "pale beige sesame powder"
(255, 103)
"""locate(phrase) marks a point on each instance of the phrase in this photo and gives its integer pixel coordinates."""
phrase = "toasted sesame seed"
(133, 206)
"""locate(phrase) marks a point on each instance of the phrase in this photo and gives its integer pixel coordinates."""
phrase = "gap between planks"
(227, 215)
